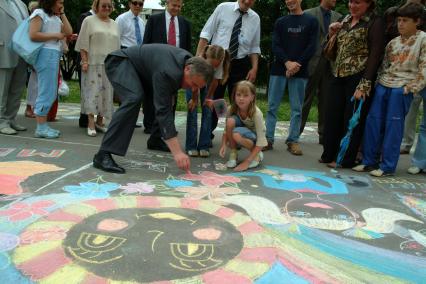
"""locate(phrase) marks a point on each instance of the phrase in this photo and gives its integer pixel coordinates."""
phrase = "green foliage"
(198, 11)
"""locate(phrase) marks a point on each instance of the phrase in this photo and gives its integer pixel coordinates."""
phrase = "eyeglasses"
(106, 6)
(137, 3)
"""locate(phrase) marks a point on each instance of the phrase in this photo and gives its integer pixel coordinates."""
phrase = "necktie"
(326, 19)
(236, 30)
(172, 32)
(137, 31)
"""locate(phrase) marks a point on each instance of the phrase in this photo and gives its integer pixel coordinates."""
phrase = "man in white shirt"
(131, 26)
(13, 73)
(236, 27)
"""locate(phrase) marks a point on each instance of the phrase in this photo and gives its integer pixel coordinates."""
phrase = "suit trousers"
(339, 111)
(410, 124)
(12, 84)
(318, 85)
(120, 130)
(237, 71)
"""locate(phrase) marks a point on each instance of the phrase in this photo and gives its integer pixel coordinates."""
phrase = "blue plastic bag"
(23, 45)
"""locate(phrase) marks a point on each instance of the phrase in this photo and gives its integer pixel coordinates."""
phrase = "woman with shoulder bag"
(49, 25)
(359, 49)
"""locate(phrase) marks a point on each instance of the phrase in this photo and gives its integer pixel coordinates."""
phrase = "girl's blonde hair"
(244, 86)
(95, 5)
(219, 53)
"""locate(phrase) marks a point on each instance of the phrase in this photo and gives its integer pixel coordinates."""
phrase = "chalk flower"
(92, 189)
(211, 179)
(138, 188)
(21, 210)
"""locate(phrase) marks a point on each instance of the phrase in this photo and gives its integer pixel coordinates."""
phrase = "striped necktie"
(172, 32)
(138, 31)
(236, 30)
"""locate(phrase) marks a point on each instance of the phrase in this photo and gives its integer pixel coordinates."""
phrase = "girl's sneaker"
(256, 161)
(46, 133)
(232, 162)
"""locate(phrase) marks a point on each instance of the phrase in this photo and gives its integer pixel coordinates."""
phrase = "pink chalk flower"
(21, 211)
(211, 179)
(139, 188)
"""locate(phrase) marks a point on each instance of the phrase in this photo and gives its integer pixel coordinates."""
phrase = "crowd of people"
(346, 61)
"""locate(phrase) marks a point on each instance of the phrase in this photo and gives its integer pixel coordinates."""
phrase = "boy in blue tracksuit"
(402, 74)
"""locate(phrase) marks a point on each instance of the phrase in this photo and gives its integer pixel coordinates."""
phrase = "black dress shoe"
(83, 121)
(106, 163)
(157, 144)
(147, 130)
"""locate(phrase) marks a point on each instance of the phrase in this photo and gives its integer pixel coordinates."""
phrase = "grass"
(261, 100)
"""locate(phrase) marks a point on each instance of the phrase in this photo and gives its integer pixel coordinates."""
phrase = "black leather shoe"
(83, 121)
(157, 144)
(106, 163)
(147, 130)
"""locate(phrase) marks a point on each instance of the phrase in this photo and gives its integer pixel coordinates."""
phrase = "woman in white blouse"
(48, 25)
(99, 35)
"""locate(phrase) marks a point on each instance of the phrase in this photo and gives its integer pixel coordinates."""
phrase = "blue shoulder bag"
(23, 45)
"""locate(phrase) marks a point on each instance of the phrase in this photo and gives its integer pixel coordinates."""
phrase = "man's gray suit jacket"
(160, 68)
(317, 13)
(8, 25)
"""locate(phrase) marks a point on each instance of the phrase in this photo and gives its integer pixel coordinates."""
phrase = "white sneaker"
(380, 173)
(256, 161)
(359, 168)
(232, 162)
(414, 170)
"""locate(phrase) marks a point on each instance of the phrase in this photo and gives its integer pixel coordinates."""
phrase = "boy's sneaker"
(414, 170)
(256, 161)
(380, 173)
(294, 148)
(232, 162)
(193, 153)
(204, 153)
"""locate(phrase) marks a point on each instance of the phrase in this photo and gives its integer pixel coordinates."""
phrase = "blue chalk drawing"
(408, 267)
(316, 181)
(92, 189)
(174, 183)
(278, 273)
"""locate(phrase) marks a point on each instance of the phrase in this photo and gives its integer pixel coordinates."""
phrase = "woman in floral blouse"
(403, 73)
(360, 46)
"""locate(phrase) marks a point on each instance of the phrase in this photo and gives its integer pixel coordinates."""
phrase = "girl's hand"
(242, 167)
(222, 151)
(84, 67)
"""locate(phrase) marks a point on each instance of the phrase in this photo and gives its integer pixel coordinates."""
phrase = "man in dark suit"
(168, 28)
(84, 119)
(319, 67)
(158, 67)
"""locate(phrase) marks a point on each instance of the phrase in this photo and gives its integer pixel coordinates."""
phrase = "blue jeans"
(385, 126)
(243, 130)
(419, 157)
(296, 90)
(191, 124)
(47, 67)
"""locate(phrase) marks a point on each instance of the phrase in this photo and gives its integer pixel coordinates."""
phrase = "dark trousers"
(318, 85)
(339, 111)
(238, 71)
(120, 131)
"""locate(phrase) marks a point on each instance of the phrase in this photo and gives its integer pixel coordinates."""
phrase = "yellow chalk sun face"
(136, 243)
